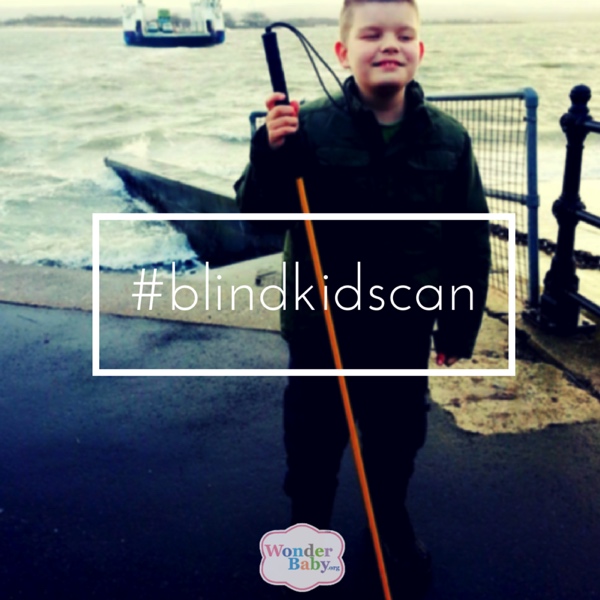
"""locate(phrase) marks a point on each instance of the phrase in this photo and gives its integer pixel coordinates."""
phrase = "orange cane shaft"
(354, 442)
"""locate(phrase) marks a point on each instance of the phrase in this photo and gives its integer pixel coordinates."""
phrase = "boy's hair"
(348, 12)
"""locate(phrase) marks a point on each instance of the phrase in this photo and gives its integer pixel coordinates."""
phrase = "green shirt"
(388, 131)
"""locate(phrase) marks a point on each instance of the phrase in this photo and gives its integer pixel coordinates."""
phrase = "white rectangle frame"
(98, 217)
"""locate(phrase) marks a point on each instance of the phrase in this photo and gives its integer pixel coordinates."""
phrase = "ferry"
(205, 27)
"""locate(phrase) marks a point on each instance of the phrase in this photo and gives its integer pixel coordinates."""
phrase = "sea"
(71, 97)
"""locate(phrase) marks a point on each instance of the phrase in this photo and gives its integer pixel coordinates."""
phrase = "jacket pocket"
(343, 180)
(342, 157)
(428, 176)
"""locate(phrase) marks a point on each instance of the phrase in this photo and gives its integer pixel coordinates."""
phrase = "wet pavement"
(161, 487)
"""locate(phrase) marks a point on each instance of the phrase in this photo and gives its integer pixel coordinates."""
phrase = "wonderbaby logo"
(302, 557)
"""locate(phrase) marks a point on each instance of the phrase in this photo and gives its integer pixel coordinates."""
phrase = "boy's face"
(382, 49)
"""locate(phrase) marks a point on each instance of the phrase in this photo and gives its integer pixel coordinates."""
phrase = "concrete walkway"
(557, 380)
(152, 488)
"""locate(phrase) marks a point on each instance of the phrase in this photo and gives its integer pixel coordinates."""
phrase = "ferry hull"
(173, 40)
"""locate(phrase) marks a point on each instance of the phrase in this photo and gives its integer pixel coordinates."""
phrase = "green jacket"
(426, 167)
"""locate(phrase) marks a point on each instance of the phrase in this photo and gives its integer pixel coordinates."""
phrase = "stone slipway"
(557, 380)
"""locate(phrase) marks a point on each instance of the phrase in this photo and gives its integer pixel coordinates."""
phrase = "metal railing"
(503, 129)
(561, 303)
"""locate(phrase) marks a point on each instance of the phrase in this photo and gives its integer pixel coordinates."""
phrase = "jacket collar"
(416, 116)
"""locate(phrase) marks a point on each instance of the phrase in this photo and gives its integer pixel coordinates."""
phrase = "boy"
(383, 150)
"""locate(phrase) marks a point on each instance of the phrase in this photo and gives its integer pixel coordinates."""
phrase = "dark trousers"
(391, 413)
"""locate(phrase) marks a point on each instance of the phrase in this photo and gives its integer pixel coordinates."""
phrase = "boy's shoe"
(409, 573)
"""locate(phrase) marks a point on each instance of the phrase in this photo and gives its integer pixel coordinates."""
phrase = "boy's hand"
(282, 119)
(443, 360)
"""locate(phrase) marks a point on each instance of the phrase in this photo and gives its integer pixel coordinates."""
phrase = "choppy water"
(71, 97)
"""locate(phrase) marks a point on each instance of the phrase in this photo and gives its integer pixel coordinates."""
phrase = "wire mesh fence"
(503, 135)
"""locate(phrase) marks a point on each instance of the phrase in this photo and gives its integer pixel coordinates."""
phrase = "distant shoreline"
(61, 21)
(106, 22)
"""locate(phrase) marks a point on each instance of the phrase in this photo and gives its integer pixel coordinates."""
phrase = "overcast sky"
(431, 9)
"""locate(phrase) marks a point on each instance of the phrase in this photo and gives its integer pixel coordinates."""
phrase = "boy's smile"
(382, 49)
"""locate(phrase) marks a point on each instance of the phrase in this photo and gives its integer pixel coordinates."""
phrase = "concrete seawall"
(164, 188)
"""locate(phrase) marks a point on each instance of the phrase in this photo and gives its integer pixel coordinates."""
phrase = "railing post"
(533, 198)
(558, 311)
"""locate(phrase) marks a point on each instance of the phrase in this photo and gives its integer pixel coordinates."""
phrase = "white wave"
(137, 147)
(140, 244)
